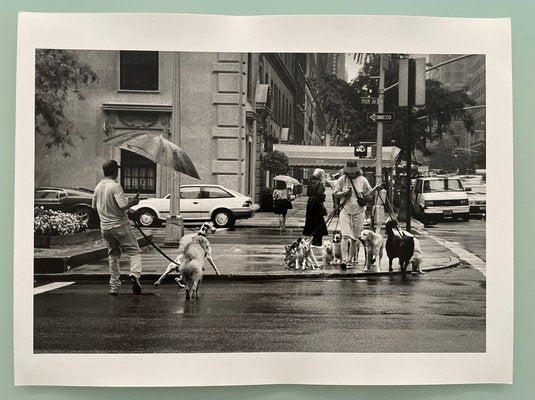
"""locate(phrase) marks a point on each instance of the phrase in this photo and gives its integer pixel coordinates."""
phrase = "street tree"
(276, 162)
(346, 116)
(59, 76)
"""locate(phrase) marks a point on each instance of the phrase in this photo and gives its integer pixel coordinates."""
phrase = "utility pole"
(174, 224)
(380, 109)
(409, 169)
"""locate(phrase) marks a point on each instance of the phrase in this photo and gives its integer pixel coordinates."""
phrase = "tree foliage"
(58, 75)
(346, 117)
(275, 162)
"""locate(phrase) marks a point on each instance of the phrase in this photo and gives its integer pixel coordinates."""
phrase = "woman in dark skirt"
(281, 202)
(314, 222)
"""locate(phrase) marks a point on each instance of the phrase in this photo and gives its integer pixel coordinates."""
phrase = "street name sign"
(369, 100)
(380, 117)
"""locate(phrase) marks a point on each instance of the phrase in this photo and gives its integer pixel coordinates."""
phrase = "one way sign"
(380, 117)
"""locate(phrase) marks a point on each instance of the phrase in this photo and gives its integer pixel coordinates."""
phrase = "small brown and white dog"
(337, 247)
(374, 244)
(188, 250)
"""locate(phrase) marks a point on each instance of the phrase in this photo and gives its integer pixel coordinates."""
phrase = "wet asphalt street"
(442, 311)
(470, 236)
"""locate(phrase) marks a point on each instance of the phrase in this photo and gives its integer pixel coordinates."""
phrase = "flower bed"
(56, 223)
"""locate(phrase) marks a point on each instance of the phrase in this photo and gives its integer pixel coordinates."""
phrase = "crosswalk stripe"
(50, 286)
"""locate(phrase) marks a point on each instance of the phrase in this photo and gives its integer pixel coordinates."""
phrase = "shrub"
(275, 162)
(54, 223)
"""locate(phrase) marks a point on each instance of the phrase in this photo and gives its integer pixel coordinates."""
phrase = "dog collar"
(201, 234)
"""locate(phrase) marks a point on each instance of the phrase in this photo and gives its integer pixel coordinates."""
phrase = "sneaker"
(114, 292)
(136, 286)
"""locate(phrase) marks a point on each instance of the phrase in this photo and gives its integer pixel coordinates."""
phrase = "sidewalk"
(244, 256)
(255, 250)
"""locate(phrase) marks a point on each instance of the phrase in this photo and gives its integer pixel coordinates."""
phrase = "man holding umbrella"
(111, 204)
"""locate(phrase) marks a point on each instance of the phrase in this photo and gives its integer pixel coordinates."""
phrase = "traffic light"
(412, 82)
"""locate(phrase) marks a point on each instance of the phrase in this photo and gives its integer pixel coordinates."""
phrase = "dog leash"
(154, 244)
(389, 207)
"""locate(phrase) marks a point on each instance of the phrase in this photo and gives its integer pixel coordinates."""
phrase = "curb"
(283, 275)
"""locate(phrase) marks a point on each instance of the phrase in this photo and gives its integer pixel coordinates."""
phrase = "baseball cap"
(110, 167)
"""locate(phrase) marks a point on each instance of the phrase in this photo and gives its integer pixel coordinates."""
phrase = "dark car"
(73, 200)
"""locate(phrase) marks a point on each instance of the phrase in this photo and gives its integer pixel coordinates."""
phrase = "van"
(437, 197)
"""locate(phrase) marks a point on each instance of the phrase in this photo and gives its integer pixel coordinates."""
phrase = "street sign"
(380, 117)
(369, 100)
(360, 150)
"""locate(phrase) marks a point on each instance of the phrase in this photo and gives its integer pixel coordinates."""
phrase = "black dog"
(398, 246)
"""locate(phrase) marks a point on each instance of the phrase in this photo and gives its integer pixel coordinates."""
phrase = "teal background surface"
(523, 33)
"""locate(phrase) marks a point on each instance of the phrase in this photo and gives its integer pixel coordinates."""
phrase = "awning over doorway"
(332, 156)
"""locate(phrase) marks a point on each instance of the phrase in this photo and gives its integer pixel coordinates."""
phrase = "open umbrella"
(156, 148)
(287, 179)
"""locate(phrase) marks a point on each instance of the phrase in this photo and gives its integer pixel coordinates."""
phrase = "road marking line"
(50, 286)
(463, 254)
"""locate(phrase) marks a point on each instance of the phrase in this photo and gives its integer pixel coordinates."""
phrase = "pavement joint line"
(50, 286)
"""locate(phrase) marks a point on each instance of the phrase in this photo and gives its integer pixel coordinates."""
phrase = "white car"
(477, 196)
(438, 197)
(199, 203)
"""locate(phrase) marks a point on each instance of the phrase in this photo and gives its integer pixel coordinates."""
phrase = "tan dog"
(206, 229)
(193, 265)
(374, 245)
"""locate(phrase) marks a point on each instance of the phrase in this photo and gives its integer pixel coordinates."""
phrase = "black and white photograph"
(260, 202)
(241, 194)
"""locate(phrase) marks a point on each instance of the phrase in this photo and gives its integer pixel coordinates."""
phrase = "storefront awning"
(332, 156)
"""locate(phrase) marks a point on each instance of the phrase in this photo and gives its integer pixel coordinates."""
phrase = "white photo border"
(311, 33)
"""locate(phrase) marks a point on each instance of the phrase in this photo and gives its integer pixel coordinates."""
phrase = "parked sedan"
(477, 197)
(73, 200)
(214, 203)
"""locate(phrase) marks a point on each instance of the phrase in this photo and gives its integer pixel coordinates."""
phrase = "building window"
(249, 75)
(138, 174)
(139, 70)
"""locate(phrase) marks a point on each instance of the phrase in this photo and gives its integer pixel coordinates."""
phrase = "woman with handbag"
(354, 190)
(281, 203)
(314, 221)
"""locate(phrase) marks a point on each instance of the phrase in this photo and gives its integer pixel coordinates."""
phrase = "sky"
(352, 68)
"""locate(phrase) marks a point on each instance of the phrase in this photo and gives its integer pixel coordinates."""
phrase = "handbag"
(289, 205)
(361, 201)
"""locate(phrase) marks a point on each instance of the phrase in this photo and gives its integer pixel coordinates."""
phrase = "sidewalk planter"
(45, 242)
(69, 259)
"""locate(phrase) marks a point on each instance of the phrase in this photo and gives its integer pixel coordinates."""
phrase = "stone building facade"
(223, 109)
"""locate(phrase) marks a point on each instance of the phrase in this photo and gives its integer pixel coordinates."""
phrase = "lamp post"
(174, 224)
